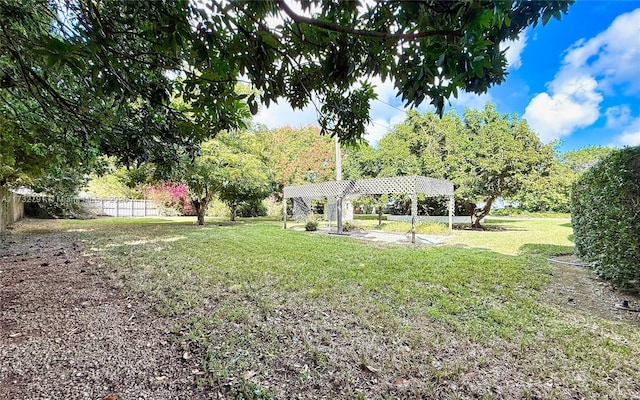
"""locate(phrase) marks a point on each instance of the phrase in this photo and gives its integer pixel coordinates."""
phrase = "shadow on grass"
(489, 227)
(545, 249)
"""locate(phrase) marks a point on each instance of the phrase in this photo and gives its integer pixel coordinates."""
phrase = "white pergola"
(339, 190)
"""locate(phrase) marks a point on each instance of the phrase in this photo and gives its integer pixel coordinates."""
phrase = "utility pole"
(338, 160)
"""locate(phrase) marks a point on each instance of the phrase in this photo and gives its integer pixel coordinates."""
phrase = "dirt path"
(68, 332)
(576, 288)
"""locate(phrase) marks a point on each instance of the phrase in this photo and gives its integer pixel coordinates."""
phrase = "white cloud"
(573, 105)
(514, 50)
(630, 136)
(613, 55)
(591, 68)
(282, 114)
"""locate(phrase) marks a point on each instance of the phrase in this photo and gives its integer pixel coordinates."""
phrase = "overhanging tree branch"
(300, 19)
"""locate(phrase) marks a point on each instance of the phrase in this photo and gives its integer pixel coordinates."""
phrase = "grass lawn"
(279, 313)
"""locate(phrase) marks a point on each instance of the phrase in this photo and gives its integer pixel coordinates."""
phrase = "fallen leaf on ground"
(401, 382)
(249, 374)
(369, 368)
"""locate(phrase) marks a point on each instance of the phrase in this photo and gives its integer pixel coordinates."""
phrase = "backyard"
(123, 308)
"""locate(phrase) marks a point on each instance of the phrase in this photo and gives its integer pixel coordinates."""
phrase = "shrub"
(218, 209)
(52, 207)
(311, 224)
(605, 204)
(251, 208)
(350, 227)
(273, 206)
(173, 195)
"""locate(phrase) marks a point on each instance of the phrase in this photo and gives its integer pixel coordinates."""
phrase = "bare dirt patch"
(68, 331)
(576, 288)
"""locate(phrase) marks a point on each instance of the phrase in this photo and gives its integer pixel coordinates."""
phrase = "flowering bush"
(171, 195)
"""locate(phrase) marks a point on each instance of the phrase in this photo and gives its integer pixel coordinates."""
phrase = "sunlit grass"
(519, 236)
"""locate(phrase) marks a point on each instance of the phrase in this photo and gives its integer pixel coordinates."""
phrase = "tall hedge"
(605, 214)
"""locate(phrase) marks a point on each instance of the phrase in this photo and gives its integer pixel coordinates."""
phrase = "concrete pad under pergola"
(352, 189)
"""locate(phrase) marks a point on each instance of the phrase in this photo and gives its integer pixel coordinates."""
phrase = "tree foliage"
(501, 152)
(298, 155)
(582, 159)
(100, 74)
(547, 190)
(550, 189)
(231, 168)
(82, 78)
(485, 154)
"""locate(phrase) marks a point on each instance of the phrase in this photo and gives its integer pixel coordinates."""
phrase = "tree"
(418, 146)
(230, 169)
(80, 78)
(105, 69)
(582, 159)
(547, 190)
(298, 155)
(361, 162)
(485, 154)
(500, 152)
(113, 180)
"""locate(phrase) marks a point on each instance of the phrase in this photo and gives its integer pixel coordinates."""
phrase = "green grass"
(519, 236)
(280, 312)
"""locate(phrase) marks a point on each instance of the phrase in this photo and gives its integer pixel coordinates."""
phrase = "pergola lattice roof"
(354, 188)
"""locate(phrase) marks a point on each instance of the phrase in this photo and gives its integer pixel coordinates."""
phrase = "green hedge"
(605, 204)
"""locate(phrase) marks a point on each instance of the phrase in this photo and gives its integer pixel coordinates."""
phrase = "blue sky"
(576, 80)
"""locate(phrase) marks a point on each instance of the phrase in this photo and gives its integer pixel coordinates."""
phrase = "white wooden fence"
(11, 208)
(120, 207)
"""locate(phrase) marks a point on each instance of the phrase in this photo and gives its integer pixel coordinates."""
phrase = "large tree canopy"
(485, 154)
(231, 167)
(104, 71)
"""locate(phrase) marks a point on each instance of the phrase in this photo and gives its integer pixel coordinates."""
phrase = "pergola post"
(284, 212)
(339, 214)
(414, 216)
(452, 208)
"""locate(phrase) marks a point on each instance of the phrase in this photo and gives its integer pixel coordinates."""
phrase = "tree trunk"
(232, 210)
(475, 219)
(201, 209)
(479, 213)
